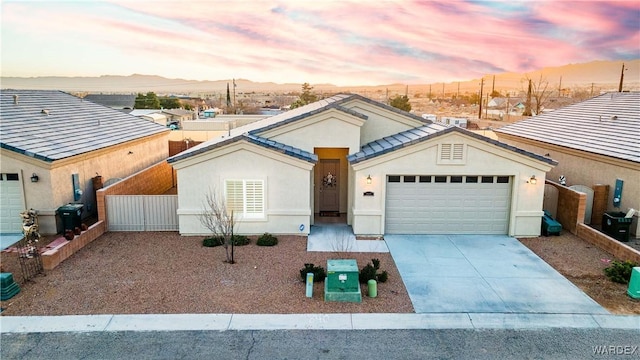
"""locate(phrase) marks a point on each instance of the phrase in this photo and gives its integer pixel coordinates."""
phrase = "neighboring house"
(114, 101)
(179, 115)
(595, 142)
(54, 144)
(387, 170)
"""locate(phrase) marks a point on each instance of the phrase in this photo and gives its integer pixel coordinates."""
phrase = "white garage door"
(448, 204)
(11, 202)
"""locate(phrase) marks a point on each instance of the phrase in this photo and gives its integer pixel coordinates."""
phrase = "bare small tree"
(220, 221)
(539, 91)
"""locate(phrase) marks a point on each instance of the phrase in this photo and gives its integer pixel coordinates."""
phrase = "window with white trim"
(245, 198)
(451, 154)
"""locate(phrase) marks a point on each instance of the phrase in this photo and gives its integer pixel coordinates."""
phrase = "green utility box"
(341, 283)
(616, 225)
(71, 216)
(634, 283)
(8, 287)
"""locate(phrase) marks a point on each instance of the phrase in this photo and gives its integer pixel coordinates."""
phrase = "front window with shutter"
(451, 154)
(245, 198)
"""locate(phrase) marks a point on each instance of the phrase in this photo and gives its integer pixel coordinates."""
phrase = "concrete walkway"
(482, 274)
(340, 238)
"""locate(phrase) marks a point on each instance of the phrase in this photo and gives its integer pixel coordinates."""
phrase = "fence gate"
(142, 212)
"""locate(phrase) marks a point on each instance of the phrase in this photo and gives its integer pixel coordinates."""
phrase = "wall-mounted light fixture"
(34, 178)
(368, 179)
(533, 180)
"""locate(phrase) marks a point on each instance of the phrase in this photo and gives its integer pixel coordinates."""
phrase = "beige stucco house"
(596, 141)
(53, 144)
(386, 170)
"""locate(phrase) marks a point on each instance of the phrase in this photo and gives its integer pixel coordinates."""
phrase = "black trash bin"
(616, 225)
(71, 216)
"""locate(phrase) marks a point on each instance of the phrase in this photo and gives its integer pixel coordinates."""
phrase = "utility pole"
(621, 78)
(481, 88)
(443, 90)
(429, 91)
(527, 106)
(406, 91)
(591, 89)
(234, 96)
(458, 93)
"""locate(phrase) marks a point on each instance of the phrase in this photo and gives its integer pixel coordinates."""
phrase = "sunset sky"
(340, 42)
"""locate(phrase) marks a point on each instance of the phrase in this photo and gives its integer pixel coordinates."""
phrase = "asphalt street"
(557, 343)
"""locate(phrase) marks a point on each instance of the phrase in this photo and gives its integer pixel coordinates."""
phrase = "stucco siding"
(380, 122)
(286, 186)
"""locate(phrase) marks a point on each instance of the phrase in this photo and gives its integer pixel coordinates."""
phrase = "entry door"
(328, 178)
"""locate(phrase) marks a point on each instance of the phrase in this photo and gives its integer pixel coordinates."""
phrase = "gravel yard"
(164, 273)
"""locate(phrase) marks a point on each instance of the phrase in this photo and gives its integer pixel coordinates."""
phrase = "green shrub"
(240, 240)
(267, 239)
(218, 240)
(213, 241)
(370, 272)
(319, 272)
(620, 271)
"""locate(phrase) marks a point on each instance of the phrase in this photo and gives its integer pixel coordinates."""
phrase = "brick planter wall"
(571, 207)
(614, 247)
(52, 258)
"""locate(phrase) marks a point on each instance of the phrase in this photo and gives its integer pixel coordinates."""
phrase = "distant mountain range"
(604, 74)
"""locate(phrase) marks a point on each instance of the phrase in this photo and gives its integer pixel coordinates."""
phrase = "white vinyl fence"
(142, 212)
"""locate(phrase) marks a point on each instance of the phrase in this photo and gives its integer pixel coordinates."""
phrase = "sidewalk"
(224, 322)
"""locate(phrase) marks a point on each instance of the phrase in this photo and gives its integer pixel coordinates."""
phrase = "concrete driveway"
(482, 274)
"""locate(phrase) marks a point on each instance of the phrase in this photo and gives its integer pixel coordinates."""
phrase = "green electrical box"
(341, 283)
(634, 283)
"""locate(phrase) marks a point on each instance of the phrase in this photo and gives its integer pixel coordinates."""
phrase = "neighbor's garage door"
(448, 204)
(11, 203)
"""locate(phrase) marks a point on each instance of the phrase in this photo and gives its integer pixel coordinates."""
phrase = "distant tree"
(495, 94)
(401, 102)
(148, 101)
(170, 103)
(306, 97)
(538, 93)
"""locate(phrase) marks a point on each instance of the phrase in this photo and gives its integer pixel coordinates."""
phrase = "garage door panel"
(447, 208)
(12, 203)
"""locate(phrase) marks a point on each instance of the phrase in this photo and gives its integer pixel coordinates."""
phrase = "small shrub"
(213, 241)
(267, 239)
(319, 272)
(620, 271)
(240, 240)
(370, 272)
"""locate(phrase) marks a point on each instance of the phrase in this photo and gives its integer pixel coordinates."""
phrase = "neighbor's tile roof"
(607, 125)
(120, 101)
(427, 132)
(53, 125)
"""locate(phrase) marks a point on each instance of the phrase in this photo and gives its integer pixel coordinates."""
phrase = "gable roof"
(428, 132)
(53, 125)
(607, 125)
(260, 126)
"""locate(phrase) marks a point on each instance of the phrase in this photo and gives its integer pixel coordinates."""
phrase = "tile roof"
(607, 125)
(427, 132)
(53, 125)
(257, 127)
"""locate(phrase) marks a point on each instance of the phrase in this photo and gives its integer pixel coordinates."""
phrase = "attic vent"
(451, 154)
(15, 99)
(44, 111)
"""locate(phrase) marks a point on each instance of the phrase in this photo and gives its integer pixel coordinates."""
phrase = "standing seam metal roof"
(53, 125)
(607, 125)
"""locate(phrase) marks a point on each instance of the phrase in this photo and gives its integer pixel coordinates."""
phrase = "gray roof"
(607, 125)
(427, 132)
(116, 101)
(53, 125)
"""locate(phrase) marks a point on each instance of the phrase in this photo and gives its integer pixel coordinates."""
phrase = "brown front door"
(328, 176)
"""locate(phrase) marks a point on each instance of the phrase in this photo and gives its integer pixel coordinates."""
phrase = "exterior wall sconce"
(533, 180)
(34, 178)
(368, 179)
